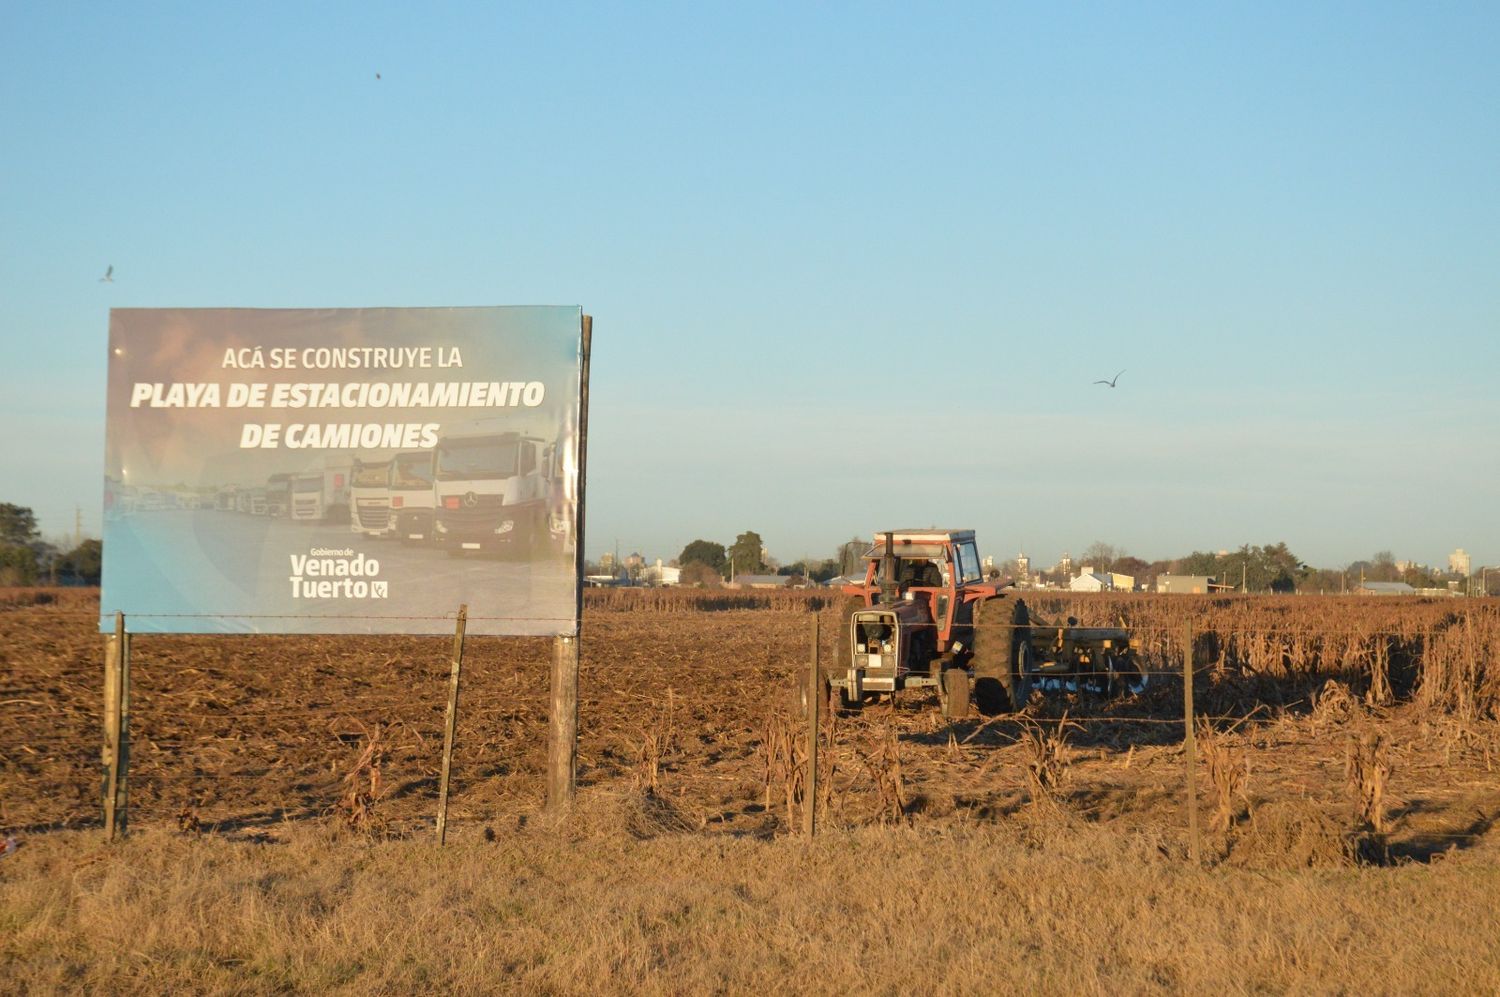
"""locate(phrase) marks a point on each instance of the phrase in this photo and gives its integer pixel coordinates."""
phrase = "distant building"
(1023, 565)
(1458, 562)
(1384, 588)
(1188, 584)
(1092, 581)
(662, 574)
(758, 582)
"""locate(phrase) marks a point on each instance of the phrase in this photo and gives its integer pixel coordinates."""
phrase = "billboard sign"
(343, 470)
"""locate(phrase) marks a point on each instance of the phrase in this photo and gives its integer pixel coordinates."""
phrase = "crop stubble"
(685, 695)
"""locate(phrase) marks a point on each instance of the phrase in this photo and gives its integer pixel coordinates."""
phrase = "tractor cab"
(936, 572)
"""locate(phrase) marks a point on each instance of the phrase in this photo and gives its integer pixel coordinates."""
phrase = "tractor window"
(968, 563)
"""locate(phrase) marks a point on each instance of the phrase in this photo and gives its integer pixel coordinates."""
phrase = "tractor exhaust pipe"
(888, 570)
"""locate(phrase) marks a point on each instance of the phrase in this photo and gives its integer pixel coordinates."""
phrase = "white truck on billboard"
(279, 495)
(492, 492)
(323, 496)
(370, 499)
(411, 494)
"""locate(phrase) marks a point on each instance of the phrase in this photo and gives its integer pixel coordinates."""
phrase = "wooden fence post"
(1190, 741)
(562, 749)
(814, 710)
(115, 795)
(450, 729)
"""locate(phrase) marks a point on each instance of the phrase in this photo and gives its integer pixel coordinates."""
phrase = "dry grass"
(1046, 753)
(888, 910)
(1228, 776)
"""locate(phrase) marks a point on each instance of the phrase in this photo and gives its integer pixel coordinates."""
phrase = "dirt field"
(283, 796)
(685, 699)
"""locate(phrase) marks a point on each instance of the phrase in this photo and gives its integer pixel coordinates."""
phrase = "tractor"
(925, 616)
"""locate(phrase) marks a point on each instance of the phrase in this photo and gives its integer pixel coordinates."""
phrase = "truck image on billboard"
(344, 470)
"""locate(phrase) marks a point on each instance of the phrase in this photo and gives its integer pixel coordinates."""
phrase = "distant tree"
(700, 575)
(84, 563)
(1383, 568)
(1134, 567)
(22, 551)
(1199, 563)
(703, 552)
(1320, 581)
(1419, 578)
(17, 526)
(18, 566)
(744, 554)
(822, 571)
(1098, 555)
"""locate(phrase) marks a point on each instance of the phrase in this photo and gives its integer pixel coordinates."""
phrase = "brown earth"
(685, 709)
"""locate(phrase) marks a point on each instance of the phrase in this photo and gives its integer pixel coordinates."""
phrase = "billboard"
(343, 470)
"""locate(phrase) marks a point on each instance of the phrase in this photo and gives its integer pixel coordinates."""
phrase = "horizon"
(1279, 223)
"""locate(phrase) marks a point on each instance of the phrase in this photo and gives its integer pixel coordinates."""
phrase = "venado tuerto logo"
(337, 573)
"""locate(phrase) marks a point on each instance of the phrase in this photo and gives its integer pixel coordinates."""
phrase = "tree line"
(27, 559)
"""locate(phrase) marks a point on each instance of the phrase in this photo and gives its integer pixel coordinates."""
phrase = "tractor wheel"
(955, 694)
(843, 655)
(1125, 675)
(1000, 682)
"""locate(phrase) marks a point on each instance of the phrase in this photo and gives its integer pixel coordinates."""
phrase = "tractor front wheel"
(955, 694)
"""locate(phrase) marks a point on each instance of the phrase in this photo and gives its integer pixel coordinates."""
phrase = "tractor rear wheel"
(1000, 683)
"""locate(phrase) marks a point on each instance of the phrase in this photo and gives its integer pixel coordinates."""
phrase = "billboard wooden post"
(814, 709)
(562, 756)
(1190, 741)
(562, 741)
(115, 795)
(450, 728)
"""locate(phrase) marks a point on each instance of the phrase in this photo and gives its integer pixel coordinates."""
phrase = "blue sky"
(852, 267)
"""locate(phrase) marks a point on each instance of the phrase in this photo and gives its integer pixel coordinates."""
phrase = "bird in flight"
(109, 275)
(377, 76)
(1111, 381)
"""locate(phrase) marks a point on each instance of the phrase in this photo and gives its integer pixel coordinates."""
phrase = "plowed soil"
(244, 736)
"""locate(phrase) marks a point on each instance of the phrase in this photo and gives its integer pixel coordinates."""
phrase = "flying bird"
(377, 76)
(1111, 381)
(109, 275)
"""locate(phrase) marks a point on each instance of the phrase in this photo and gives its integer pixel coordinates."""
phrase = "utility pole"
(77, 526)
